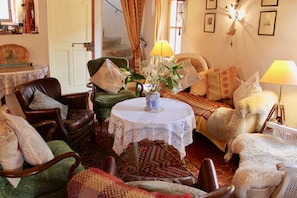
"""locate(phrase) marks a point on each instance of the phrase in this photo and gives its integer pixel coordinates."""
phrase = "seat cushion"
(52, 181)
(104, 101)
(77, 118)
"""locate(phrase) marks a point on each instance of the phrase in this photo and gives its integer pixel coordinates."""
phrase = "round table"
(129, 122)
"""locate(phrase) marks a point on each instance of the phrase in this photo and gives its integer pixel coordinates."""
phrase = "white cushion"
(11, 158)
(248, 88)
(189, 75)
(42, 101)
(109, 77)
(34, 148)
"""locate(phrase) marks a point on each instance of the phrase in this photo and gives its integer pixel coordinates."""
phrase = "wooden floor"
(203, 148)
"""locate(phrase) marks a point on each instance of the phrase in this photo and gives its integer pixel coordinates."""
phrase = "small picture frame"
(209, 22)
(267, 22)
(269, 3)
(211, 4)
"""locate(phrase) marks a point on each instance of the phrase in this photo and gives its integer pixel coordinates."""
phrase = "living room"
(249, 51)
(246, 50)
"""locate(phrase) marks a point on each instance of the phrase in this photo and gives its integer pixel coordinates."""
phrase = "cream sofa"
(219, 120)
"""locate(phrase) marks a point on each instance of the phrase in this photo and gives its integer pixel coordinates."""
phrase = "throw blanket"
(259, 154)
(94, 182)
(200, 105)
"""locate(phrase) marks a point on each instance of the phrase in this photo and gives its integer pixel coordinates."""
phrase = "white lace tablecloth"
(130, 123)
(11, 79)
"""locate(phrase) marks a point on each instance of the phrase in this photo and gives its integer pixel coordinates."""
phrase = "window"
(8, 12)
(175, 25)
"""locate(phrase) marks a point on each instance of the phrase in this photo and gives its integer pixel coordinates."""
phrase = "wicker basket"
(287, 134)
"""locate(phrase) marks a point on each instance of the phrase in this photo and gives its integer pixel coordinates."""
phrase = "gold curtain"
(133, 13)
(157, 20)
(161, 19)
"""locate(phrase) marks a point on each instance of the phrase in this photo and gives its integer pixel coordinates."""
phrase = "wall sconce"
(234, 12)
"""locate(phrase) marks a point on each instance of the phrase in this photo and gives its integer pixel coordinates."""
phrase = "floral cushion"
(11, 158)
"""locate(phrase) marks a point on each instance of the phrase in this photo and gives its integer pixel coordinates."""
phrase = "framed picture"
(267, 23)
(211, 4)
(209, 22)
(269, 3)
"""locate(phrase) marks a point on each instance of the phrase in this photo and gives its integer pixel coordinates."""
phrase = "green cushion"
(105, 101)
(49, 183)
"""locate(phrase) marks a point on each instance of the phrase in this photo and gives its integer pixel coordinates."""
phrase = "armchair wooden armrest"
(76, 101)
(52, 128)
(39, 168)
(223, 192)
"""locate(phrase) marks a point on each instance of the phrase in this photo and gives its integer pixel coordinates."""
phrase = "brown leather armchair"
(79, 121)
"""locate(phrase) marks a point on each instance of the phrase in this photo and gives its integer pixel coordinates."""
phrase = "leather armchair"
(103, 101)
(80, 119)
(49, 179)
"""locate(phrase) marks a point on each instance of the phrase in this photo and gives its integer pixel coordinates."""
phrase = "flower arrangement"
(154, 75)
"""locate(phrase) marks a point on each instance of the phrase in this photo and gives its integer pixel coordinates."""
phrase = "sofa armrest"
(76, 101)
(39, 168)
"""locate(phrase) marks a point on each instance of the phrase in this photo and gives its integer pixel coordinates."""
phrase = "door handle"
(88, 45)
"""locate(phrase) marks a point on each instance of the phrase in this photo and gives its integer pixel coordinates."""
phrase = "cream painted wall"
(37, 44)
(249, 52)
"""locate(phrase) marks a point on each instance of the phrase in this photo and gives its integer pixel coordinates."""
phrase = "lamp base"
(279, 110)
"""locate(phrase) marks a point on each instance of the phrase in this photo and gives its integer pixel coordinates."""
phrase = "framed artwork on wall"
(209, 22)
(269, 3)
(211, 4)
(267, 23)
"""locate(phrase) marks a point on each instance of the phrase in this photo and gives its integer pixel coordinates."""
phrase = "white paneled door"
(70, 32)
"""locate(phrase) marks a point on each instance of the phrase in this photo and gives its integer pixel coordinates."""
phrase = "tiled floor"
(202, 148)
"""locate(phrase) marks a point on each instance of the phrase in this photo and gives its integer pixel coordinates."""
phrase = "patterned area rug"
(155, 158)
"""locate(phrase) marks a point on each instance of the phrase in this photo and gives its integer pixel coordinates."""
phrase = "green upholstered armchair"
(102, 100)
(47, 180)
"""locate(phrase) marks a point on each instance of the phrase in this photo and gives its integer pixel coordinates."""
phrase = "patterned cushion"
(11, 158)
(34, 148)
(109, 77)
(98, 183)
(221, 84)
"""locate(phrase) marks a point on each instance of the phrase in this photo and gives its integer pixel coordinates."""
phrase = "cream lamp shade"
(282, 72)
(162, 49)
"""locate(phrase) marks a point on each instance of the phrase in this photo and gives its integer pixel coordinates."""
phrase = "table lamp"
(161, 49)
(282, 72)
